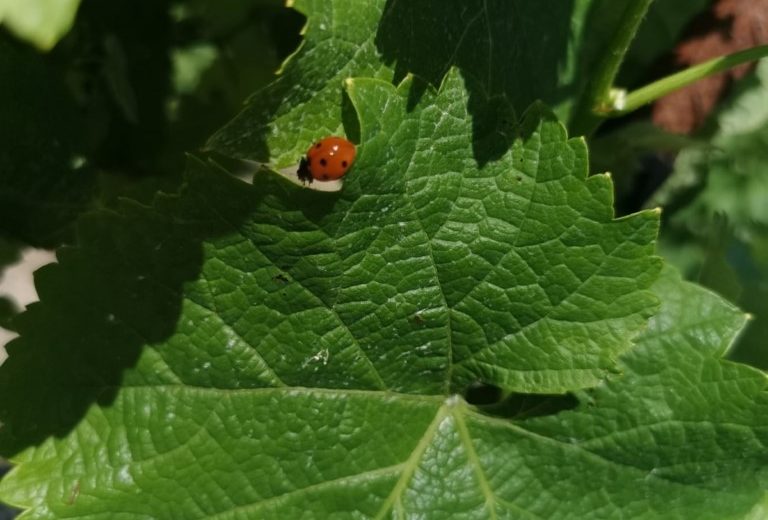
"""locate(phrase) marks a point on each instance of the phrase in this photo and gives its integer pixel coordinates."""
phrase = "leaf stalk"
(660, 88)
(597, 94)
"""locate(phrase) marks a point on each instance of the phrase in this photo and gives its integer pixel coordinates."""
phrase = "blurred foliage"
(40, 22)
(132, 86)
(45, 179)
(712, 185)
(716, 209)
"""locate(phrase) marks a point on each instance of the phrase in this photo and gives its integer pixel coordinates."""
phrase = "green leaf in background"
(228, 49)
(729, 176)
(750, 261)
(636, 155)
(40, 22)
(268, 351)
(521, 50)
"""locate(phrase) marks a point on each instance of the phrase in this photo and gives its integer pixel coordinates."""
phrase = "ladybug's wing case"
(327, 160)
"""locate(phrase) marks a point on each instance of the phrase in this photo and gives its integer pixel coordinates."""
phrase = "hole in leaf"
(481, 394)
(492, 400)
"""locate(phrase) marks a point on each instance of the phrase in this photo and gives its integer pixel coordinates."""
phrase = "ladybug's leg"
(303, 171)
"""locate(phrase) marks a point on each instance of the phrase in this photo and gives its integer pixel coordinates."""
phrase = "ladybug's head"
(303, 172)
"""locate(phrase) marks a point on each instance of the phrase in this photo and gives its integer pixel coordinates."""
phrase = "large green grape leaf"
(524, 50)
(267, 351)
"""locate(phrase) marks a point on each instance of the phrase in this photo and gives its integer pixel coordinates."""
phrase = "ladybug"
(327, 160)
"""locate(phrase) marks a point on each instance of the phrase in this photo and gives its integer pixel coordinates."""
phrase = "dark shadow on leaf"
(119, 291)
(493, 45)
(494, 125)
(532, 118)
(349, 118)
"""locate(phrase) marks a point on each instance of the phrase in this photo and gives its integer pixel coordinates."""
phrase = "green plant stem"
(596, 94)
(664, 86)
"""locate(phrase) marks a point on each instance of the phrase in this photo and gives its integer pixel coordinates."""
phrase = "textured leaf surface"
(682, 428)
(41, 22)
(497, 45)
(271, 351)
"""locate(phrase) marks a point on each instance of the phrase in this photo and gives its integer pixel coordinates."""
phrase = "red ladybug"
(327, 160)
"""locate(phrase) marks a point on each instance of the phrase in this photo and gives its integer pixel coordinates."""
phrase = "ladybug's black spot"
(324, 177)
(318, 145)
(344, 164)
(323, 162)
